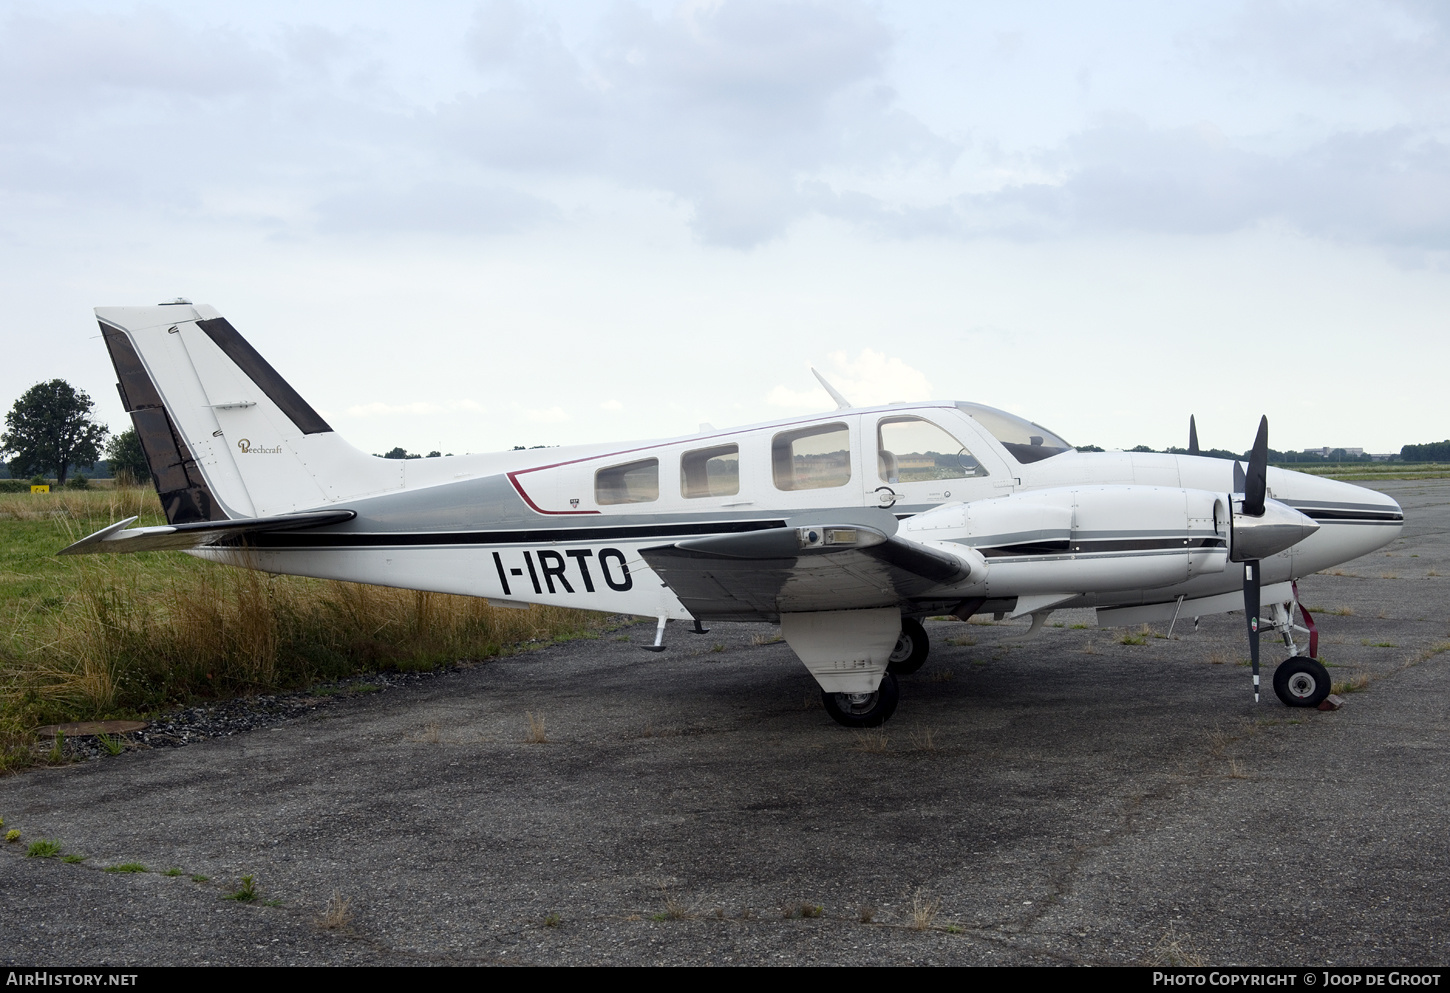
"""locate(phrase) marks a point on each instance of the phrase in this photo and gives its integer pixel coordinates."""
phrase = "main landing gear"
(864, 710)
(869, 710)
(855, 656)
(911, 649)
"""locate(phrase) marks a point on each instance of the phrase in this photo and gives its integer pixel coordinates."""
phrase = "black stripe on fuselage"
(1089, 546)
(373, 539)
(1352, 516)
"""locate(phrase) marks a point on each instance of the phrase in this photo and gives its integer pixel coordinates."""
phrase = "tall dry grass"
(112, 635)
(224, 631)
(107, 505)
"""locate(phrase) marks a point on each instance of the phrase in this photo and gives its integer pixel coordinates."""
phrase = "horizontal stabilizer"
(204, 534)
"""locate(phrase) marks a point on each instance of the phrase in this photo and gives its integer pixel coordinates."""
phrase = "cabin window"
(813, 458)
(710, 472)
(633, 482)
(913, 450)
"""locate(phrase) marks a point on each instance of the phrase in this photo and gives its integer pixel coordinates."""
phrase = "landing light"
(837, 537)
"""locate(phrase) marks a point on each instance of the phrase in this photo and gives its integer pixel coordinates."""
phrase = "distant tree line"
(403, 453)
(1435, 451)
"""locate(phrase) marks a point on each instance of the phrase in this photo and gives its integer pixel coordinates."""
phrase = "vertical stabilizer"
(226, 436)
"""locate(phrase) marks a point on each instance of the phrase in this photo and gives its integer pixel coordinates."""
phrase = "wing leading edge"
(853, 562)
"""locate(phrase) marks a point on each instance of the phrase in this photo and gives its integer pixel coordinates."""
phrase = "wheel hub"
(1302, 685)
(857, 703)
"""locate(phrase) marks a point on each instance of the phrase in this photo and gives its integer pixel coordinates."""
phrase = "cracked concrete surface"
(1067, 800)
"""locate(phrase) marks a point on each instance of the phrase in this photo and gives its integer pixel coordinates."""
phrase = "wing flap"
(203, 534)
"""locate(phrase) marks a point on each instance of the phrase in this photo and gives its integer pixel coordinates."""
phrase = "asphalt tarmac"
(1067, 800)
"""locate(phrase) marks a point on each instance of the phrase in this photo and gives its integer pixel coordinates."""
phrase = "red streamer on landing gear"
(1308, 623)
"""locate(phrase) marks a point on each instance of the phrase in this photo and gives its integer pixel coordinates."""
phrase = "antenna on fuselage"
(841, 402)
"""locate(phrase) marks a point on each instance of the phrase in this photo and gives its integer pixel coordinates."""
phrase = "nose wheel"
(863, 710)
(1301, 682)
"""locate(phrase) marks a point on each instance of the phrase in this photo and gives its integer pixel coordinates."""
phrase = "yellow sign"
(40, 489)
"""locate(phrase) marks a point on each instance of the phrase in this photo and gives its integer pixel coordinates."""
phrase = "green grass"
(127, 867)
(174, 872)
(1371, 471)
(43, 849)
(246, 891)
(98, 637)
(74, 859)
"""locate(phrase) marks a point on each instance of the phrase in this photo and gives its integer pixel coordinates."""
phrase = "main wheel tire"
(1301, 682)
(911, 649)
(864, 710)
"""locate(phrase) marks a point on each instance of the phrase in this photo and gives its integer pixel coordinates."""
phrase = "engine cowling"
(1086, 539)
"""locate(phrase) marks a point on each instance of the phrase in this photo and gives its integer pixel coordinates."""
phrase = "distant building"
(1326, 452)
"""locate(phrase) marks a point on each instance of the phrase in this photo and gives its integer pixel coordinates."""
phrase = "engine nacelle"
(1086, 538)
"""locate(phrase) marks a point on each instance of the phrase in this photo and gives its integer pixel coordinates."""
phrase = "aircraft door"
(914, 463)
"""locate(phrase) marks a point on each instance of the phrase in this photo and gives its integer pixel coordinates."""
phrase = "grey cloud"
(728, 106)
(443, 208)
(47, 59)
(1401, 47)
(1389, 188)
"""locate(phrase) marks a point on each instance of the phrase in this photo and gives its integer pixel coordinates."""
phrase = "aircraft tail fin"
(225, 435)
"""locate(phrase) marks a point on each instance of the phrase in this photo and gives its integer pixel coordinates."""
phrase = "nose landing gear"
(1301, 682)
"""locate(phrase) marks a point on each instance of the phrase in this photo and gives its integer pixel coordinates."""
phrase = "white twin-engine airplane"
(845, 528)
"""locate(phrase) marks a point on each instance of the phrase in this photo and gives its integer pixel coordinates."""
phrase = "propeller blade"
(1239, 478)
(1257, 481)
(1251, 612)
(1192, 437)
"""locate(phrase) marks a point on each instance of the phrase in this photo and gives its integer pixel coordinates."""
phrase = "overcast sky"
(468, 226)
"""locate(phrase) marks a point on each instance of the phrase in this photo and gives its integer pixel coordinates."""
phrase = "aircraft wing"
(180, 537)
(804, 567)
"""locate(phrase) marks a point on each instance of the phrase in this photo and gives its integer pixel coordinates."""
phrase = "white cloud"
(418, 408)
(868, 379)
(611, 405)
(450, 208)
(547, 415)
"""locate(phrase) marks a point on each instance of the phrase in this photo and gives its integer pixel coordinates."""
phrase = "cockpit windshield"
(1024, 440)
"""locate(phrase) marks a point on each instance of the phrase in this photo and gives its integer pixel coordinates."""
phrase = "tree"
(1434, 451)
(127, 459)
(50, 429)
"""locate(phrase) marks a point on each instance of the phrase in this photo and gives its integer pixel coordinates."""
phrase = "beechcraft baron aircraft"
(845, 528)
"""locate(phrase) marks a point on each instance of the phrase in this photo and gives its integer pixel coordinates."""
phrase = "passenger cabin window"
(710, 472)
(633, 482)
(912, 450)
(813, 458)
